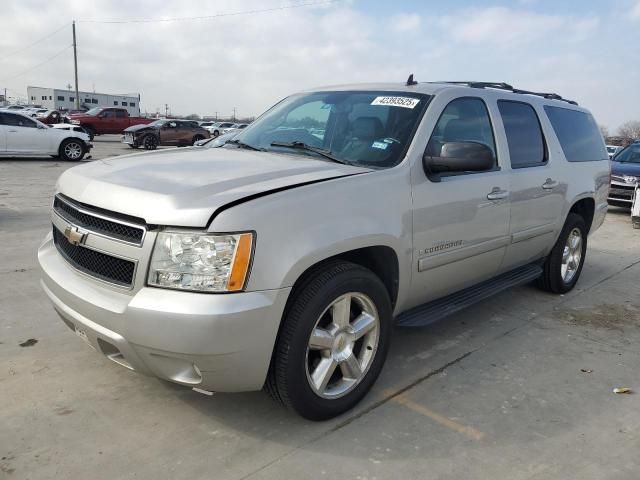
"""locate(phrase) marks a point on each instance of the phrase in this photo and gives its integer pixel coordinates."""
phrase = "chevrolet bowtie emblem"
(74, 235)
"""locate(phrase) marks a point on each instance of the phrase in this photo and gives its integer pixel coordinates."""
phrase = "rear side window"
(524, 135)
(578, 134)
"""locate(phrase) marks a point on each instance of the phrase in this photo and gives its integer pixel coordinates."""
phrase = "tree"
(604, 130)
(193, 116)
(630, 129)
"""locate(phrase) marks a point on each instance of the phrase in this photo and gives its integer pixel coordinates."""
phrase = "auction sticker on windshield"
(405, 102)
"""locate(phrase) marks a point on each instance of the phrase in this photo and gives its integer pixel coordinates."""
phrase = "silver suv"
(283, 259)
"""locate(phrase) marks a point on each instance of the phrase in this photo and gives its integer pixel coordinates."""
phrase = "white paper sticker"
(380, 145)
(404, 102)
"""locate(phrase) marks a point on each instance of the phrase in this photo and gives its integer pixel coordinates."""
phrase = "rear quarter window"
(578, 134)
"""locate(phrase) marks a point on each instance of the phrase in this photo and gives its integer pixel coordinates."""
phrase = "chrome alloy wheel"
(73, 150)
(571, 255)
(342, 345)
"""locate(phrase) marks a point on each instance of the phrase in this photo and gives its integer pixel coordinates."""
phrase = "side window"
(578, 134)
(463, 120)
(120, 114)
(524, 134)
(18, 121)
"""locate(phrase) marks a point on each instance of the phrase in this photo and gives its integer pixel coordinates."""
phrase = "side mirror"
(457, 157)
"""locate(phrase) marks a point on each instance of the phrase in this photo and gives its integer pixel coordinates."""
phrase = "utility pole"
(166, 110)
(234, 114)
(75, 64)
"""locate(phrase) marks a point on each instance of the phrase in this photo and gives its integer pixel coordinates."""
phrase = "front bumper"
(217, 342)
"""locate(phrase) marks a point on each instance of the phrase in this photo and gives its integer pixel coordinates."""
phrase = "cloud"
(635, 10)
(404, 22)
(507, 26)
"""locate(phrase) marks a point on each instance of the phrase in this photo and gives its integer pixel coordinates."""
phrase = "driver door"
(461, 220)
(169, 133)
(23, 135)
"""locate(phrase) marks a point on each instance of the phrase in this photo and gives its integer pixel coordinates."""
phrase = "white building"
(57, 99)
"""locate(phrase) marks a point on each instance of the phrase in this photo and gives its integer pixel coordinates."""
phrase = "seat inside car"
(364, 130)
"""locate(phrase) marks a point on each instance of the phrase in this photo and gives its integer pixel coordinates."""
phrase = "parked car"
(625, 175)
(206, 124)
(214, 142)
(612, 150)
(70, 127)
(164, 132)
(218, 128)
(282, 260)
(235, 127)
(23, 136)
(101, 120)
(50, 117)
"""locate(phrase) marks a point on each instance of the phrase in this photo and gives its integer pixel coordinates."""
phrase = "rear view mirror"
(458, 157)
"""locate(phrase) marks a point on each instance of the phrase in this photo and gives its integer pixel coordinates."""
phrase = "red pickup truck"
(102, 120)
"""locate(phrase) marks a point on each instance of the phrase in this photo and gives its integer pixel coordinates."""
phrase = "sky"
(585, 50)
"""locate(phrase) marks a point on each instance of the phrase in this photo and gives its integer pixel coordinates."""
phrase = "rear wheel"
(216, 133)
(564, 264)
(333, 341)
(150, 142)
(72, 150)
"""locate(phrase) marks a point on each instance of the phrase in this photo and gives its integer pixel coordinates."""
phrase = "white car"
(235, 127)
(21, 136)
(612, 150)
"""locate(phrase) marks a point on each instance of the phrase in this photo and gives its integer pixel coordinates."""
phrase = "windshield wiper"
(303, 146)
(241, 144)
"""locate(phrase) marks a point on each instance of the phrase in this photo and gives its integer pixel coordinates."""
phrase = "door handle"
(12, 131)
(497, 194)
(549, 184)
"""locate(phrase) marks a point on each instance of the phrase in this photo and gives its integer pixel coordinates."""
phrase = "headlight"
(75, 122)
(200, 261)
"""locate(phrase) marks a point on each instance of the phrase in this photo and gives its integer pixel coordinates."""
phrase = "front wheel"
(72, 150)
(150, 142)
(564, 264)
(333, 341)
(216, 133)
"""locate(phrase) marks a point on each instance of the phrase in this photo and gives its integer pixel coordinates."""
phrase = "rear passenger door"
(537, 191)
(461, 222)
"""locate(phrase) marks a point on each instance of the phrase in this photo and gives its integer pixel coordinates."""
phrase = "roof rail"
(509, 88)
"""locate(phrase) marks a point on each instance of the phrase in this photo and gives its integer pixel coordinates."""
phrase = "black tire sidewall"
(304, 312)
(555, 259)
(64, 156)
(153, 142)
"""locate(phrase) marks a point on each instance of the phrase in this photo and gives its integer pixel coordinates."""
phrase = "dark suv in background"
(164, 132)
(625, 174)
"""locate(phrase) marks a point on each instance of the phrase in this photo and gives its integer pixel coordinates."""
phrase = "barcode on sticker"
(404, 102)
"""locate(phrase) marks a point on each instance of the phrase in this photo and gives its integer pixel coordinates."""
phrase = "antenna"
(411, 81)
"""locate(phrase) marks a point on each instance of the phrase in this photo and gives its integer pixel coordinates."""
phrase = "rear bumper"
(218, 342)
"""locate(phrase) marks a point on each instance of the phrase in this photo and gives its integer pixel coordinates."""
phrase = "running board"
(443, 307)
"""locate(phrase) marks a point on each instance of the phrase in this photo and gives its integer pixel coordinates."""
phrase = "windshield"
(94, 111)
(157, 123)
(366, 128)
(630, 154)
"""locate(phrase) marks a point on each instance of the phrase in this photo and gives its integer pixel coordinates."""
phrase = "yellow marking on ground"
(405, 401)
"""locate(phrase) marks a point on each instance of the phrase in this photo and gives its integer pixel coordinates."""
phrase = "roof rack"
(506, 86)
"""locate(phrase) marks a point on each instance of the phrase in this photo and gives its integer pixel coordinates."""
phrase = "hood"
(135, 128)
(184, 187)
(625, 168)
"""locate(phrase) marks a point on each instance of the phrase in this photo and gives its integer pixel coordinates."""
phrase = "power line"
(217, 15)
(36, 42)
(38, 65)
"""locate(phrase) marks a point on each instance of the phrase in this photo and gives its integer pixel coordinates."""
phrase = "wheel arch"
(585, 207)
(382, 260)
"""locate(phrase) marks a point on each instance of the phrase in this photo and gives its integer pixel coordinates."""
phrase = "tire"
(355, 356)
(134, 146)
(197, 138)
(552, 279)
(90, 131)
(150, 142)
(216, 133)
(72, 150)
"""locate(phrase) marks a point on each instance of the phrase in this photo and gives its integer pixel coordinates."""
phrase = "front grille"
(622, 192)
(97, 264)
(97, 223)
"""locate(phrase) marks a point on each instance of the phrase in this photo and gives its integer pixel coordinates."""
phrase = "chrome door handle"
(549, 184)
(497, 194)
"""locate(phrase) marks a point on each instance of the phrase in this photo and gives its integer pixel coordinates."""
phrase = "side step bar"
(443, 307)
